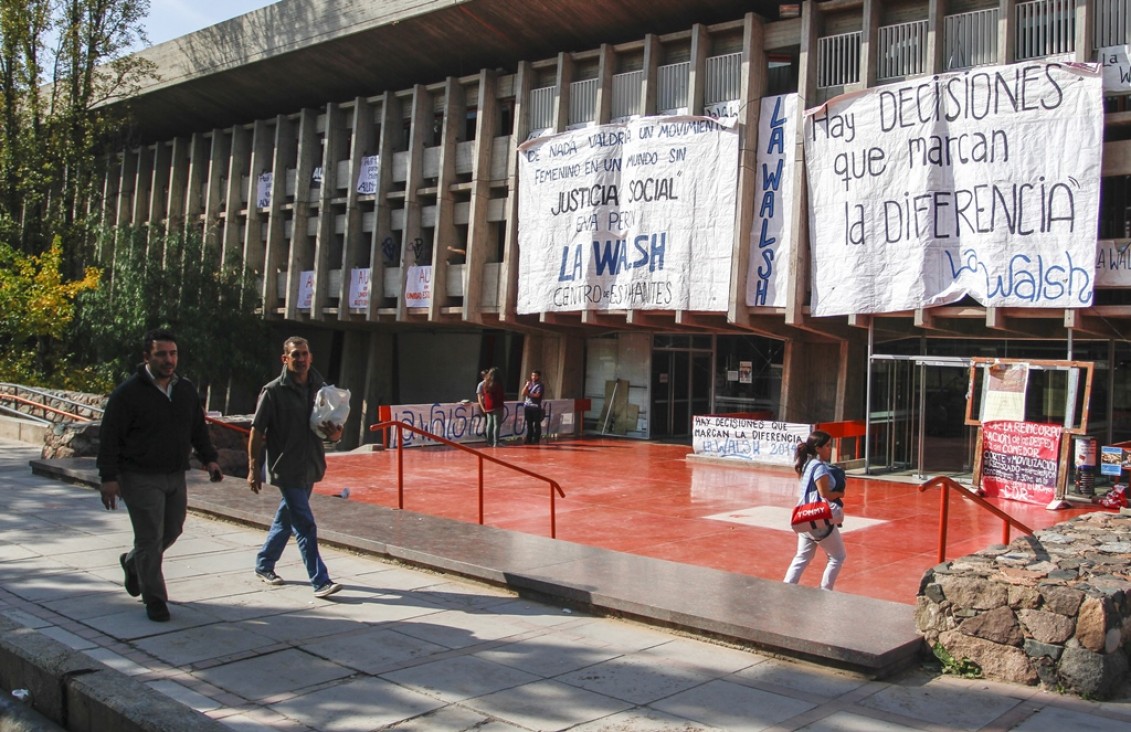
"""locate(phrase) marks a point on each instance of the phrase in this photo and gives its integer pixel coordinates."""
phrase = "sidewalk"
(423, 651)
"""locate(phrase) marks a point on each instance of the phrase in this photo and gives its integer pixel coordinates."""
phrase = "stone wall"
(81, 440)
(1052, 609)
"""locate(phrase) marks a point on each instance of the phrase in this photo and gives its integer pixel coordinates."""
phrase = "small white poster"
(263, 189)
(418, 287)
(367, 178)
(359, 288)
(1117, 69)
(306, 290)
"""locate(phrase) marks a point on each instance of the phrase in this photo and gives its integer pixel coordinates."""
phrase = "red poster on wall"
(1019, 460)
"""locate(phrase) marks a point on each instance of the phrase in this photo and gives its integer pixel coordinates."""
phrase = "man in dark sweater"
(152, 421)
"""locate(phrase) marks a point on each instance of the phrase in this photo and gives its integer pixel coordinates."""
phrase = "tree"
(37, 307)
(62, 62)
(174, 281)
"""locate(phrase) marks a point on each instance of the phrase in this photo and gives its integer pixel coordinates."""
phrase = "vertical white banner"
(982, 183)
(367, 176)
(306, 290)
(633, 216)
(359, 288)
(418, 287)
(772, 237)
(263, 189)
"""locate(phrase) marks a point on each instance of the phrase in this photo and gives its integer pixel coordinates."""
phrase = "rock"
(1046, 627)
(1092, 675)
(1091, 625)
(998, 625)
(973, 592)
(997, 661)
(1061, 600)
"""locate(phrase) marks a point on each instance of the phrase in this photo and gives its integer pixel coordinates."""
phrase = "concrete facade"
(443, 93)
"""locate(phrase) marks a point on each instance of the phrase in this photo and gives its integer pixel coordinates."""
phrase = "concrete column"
(479, 243)
(355, 252)
(444, 233)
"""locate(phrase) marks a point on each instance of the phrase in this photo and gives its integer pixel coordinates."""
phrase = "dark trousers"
(157, 505)
(533, 417)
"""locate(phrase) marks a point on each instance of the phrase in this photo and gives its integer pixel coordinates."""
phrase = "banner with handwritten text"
(755, 440)
(772, 238)
(1019, 460)
(463, 422)
(1116, 61)
(983, 183)
(418, 286)
(632, 216)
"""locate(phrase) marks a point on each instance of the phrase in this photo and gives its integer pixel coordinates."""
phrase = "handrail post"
(944, 515)
(400, 467)
(480, 490)
(553, 514)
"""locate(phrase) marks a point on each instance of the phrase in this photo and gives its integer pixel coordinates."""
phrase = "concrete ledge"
(22, 430)
(83, 695)
(872, 637)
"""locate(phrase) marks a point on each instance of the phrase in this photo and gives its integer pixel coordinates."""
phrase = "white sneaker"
(327, 589)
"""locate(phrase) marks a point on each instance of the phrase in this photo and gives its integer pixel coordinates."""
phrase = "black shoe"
(133, 585)
(157, 611)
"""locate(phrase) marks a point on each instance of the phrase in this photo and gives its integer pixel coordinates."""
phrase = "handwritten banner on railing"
(460, 422)
(934, 188)
(758, 441)
(1019, 460)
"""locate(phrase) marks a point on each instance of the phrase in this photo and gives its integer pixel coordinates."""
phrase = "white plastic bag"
(331, 404)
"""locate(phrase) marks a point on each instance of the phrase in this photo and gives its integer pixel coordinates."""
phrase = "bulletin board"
(1026, 412)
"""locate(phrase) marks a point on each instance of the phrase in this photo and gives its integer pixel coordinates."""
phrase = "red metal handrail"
(401, 426)
(226, 425)
(948, 485)
(39, 405)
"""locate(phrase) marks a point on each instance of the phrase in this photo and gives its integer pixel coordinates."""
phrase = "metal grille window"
(1112, 23)
(626, 94)
(724, 78)
(903, 50)
(542, 108)
(671, 97)
(1045, 28)
(838, 60)
(582, 101)
(970, 39)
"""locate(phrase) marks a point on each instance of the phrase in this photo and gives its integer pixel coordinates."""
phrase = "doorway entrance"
(917, 415)
(681, 384)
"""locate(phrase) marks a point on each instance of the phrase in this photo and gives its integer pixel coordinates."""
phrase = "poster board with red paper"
(1020, 460)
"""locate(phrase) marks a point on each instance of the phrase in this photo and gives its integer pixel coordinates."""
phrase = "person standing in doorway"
(152, 422)
(295, 461)
(532, 394)
(492, 402)
(816, 479)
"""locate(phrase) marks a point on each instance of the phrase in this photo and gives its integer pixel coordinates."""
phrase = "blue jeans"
(294, 516)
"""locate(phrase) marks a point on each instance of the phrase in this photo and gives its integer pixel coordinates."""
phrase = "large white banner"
(982, 183)
(755, 440)
(632, 216)
(772, 238)
(464, 422)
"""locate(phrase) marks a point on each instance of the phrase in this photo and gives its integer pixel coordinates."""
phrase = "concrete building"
(327, 143)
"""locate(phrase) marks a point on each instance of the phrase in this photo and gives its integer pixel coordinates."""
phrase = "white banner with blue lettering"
(755, 440)
(464, 421)
(632, 216)
(982, 182)
(772, 238)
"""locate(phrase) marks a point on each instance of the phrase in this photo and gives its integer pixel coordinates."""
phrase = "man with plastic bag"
(295, 458)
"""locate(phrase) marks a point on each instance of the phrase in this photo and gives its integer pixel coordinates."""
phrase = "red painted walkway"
(645, 498)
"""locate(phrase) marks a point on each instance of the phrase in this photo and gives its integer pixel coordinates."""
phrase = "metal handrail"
(226, 425)
(49, 395)
(949, 484)
(37, 405)
(401, 426)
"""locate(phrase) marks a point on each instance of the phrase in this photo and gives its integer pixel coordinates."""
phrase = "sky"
(169, 19)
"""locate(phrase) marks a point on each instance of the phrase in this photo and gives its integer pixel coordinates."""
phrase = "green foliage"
(62, 64)
(965, 668)
(173, 281)
(36, 309)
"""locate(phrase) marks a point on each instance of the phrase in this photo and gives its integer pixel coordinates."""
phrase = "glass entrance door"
(681, 388)
(916, 419)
